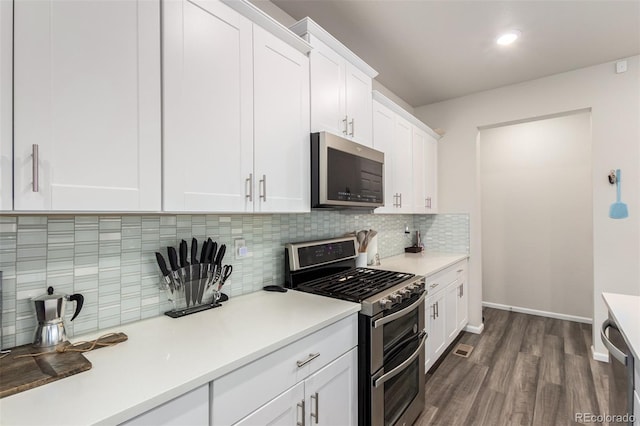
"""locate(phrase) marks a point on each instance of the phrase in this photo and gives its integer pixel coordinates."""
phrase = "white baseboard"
(599, 356)
(537, 312)
(475, 329)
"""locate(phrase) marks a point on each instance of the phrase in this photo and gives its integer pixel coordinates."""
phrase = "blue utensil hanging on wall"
(618, 210)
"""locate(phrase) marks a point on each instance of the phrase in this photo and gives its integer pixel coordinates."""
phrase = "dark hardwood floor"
(524, 370)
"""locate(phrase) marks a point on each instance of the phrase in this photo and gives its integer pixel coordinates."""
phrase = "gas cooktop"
(356, 284)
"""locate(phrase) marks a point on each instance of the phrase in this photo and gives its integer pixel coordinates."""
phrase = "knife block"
(192, 289)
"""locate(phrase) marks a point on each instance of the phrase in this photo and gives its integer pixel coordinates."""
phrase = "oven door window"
(400, 391)
(397, 331)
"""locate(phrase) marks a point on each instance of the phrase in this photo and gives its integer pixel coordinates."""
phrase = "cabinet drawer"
(248, 388)
(440, 280)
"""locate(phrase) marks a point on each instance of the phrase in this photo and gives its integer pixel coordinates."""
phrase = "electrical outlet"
(241, 250)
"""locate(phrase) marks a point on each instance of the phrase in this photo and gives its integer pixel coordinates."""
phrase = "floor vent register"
(463, 350)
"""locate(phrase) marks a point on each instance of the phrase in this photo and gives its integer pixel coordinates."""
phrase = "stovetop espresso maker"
(50, 315)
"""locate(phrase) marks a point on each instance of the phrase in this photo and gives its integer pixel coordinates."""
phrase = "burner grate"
(355, 284)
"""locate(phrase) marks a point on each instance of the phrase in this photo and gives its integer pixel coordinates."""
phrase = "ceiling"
(429, 51)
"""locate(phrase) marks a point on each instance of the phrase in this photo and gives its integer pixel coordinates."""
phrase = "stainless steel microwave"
(345, 173)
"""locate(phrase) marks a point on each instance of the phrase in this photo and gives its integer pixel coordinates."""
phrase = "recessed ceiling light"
(508, 38)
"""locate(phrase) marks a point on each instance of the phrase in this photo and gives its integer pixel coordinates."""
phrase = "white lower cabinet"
(435, 324)
(331, 393)
(327, 397)
(285, 410)
(190, 409)
(264, 391)
(446, 309)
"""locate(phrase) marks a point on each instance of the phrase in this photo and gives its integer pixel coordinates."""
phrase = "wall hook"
(612, 177)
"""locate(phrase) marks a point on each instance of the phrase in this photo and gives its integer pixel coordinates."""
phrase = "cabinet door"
(327, 76)
(6, 105)
(451, 311)
(190, 409)
(331, 394)
(418, 141)
(284, 410)
(281, 141)
(87, 96)
(208, 104)
(403, 166)
(383, 134)
(431, 174)
(463, 305)
(358, 104)
(436, 342)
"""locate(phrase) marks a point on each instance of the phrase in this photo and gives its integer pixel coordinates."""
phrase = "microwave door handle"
(396, 315)
(391, 374)
(613, 350)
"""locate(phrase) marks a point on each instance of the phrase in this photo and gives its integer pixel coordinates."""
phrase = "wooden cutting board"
(18, 374)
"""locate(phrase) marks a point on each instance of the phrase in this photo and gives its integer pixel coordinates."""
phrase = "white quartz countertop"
(625, 311)
(425, 263)
(165, 358)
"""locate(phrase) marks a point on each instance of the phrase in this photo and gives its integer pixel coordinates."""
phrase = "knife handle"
(223, 249)
(203, 255)
(173, 258)
(194, 251)
(162, 264)
(183, 254)
(211, 255)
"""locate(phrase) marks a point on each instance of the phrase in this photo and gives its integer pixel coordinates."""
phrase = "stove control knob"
(405, 293)
(385, 304)
(395, 297)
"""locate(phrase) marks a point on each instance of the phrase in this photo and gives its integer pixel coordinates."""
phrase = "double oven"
(391, 328)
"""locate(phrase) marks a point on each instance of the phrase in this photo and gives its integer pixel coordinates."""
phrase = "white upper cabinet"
(431, 174)
(236, 112)
(402, 166)
(208, 107)
(384, 121)
(418, 140)
(87, 105)
(341, 86)
(410, 156)
(6, 105)
(281, 126)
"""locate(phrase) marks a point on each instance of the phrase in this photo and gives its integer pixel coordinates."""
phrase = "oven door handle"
(613, 350)
(396, 315)
(391, 374)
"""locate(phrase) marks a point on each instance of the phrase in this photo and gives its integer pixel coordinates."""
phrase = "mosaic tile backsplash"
(110, 259)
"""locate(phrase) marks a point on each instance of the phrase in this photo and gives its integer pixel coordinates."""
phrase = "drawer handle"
(310, 358)
(434, 285)
(460, 270)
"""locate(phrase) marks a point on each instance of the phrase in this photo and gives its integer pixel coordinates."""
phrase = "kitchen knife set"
(194, 279)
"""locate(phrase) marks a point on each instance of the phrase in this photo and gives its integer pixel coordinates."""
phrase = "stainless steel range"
(391, 334)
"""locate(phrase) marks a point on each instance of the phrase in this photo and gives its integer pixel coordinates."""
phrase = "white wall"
(615, 103)
(537, 217)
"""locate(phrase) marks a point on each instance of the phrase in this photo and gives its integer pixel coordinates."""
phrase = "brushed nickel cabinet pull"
(304, 414)
(310, 358)
(263, 181)
(35, 186)
(249, 181)
(346, 125)
(315, 415)
(400, 200)
(353, 126)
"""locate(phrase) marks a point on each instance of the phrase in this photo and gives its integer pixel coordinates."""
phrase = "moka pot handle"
(79, 299)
